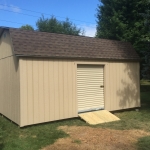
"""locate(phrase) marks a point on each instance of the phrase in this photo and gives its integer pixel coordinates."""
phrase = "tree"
(27, 27)
(120, 20)
(56, 26)
(146, 39)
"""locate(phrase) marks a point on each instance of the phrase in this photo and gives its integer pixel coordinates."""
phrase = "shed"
(47, 76)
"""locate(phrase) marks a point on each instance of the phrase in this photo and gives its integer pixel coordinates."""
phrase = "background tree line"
(55, 26)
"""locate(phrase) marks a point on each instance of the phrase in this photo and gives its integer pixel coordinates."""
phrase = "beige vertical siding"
(122, 86)
(48, 90)
(9, 81)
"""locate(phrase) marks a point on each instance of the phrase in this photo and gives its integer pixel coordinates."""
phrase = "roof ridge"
(82, 36)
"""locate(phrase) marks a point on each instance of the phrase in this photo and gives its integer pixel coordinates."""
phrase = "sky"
(82, 13)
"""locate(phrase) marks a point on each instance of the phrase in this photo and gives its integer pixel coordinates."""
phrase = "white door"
(90, 87)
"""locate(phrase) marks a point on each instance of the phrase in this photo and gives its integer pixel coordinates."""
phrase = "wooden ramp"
(97, 117)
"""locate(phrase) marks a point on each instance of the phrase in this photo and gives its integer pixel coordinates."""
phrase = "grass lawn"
(38, 136)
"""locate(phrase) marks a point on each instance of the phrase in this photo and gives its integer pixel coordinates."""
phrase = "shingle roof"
(43, 44)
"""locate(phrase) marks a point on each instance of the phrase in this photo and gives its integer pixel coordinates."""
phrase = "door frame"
(104, 64)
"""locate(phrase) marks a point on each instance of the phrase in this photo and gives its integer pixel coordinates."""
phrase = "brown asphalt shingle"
(43, 44)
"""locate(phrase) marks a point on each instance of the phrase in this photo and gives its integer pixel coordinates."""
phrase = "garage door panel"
(96, 98)
(90, 89)
(89, 93)
(90, 104)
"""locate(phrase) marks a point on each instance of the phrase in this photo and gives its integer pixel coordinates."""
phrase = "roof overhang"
(79, 58)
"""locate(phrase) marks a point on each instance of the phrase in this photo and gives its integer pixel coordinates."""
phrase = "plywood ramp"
(97, 117)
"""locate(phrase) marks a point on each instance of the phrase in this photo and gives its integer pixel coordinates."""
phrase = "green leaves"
(27, 27)
(120, 20)
(143, 143)
(146, 38)
(56, 26)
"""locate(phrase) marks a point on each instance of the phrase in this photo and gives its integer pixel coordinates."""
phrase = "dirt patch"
(87, 138)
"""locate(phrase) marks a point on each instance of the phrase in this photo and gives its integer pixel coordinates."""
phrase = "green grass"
(1, 138)
(145, 85)
(38, 136)
(32, 137)
(144, 143)
(145, 82)
(29, 138)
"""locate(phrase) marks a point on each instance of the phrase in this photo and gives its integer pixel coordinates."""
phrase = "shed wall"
(49, 88)
(9, 81)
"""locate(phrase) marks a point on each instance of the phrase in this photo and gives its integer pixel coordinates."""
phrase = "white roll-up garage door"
(90, 87)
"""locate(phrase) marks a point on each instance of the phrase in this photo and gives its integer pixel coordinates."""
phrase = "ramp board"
(97, 117)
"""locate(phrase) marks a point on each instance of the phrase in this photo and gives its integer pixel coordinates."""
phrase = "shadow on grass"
(145, 88)
(143, 143)
(1, 139)
(1, 146)
(32, 137)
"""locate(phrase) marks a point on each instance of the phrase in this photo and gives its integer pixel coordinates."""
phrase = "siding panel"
(23, 93)
(74, 90)
(56, 90)
(35, 91)
(66, 106)
(46, 89)
(61, 91)
(30, 92)
(106, 87)
(51, 90)
(41, 91)
(70, 83)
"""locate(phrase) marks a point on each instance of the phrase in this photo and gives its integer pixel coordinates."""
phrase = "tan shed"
(48, 76)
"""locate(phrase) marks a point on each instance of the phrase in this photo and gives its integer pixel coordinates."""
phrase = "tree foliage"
(146, 39)
(120, 20)
(27, 27)
(56, 26)
(145, 71)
